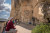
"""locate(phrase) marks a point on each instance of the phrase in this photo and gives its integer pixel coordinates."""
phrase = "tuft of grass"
(42, 28)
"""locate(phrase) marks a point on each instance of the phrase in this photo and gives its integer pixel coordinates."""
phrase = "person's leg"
(4, 32)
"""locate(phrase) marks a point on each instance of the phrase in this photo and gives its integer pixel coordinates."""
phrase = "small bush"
(42, 28)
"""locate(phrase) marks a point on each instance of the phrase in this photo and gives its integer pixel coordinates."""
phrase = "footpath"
(22, 28)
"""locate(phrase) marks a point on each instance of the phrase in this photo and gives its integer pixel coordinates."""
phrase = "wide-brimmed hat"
(10, 18)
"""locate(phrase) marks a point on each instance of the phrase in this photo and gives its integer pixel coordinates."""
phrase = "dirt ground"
(22, 28)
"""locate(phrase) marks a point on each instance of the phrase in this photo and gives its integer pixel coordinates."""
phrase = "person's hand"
(14, 28)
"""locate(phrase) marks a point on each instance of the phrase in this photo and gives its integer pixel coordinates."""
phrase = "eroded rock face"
(24, 10)
(46, 10)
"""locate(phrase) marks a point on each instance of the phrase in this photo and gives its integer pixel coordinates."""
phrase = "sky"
(5, 8)
(8, 1)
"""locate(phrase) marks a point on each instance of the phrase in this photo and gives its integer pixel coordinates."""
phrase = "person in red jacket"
(10, 25)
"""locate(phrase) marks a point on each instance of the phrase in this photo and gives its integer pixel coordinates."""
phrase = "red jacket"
(10, 25)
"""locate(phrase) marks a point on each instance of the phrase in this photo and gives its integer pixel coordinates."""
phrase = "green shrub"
(42, 28)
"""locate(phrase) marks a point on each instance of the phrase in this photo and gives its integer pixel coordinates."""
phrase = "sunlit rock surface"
(25, 10)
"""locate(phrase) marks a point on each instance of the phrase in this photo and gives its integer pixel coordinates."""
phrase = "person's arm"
(7, 28)
(12, 25)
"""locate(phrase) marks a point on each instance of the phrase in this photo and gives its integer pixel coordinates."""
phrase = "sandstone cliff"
(25, 10)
